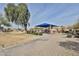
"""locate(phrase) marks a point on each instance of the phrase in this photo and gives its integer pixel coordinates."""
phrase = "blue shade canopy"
(45, 25)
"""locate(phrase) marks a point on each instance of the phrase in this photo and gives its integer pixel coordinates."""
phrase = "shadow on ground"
(70, 45)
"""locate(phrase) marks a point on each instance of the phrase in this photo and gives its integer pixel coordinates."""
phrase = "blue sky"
(54, 13)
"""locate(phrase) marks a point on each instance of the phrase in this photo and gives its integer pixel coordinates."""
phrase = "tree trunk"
(18, 26)
(25, 26)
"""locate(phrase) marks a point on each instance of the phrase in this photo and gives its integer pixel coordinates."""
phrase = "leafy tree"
(10, 12)
(4, 22)
(23, 15)
(18, 14)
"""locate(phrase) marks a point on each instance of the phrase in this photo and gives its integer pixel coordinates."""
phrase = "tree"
(18, 14)
(10, 12)
(4, 22)
(23, 15)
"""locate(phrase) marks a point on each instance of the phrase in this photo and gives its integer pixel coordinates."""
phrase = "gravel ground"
(46, 45)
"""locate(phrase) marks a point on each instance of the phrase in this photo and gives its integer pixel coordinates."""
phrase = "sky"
(53, 13)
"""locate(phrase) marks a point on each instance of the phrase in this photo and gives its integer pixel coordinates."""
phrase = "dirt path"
(51, 45)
